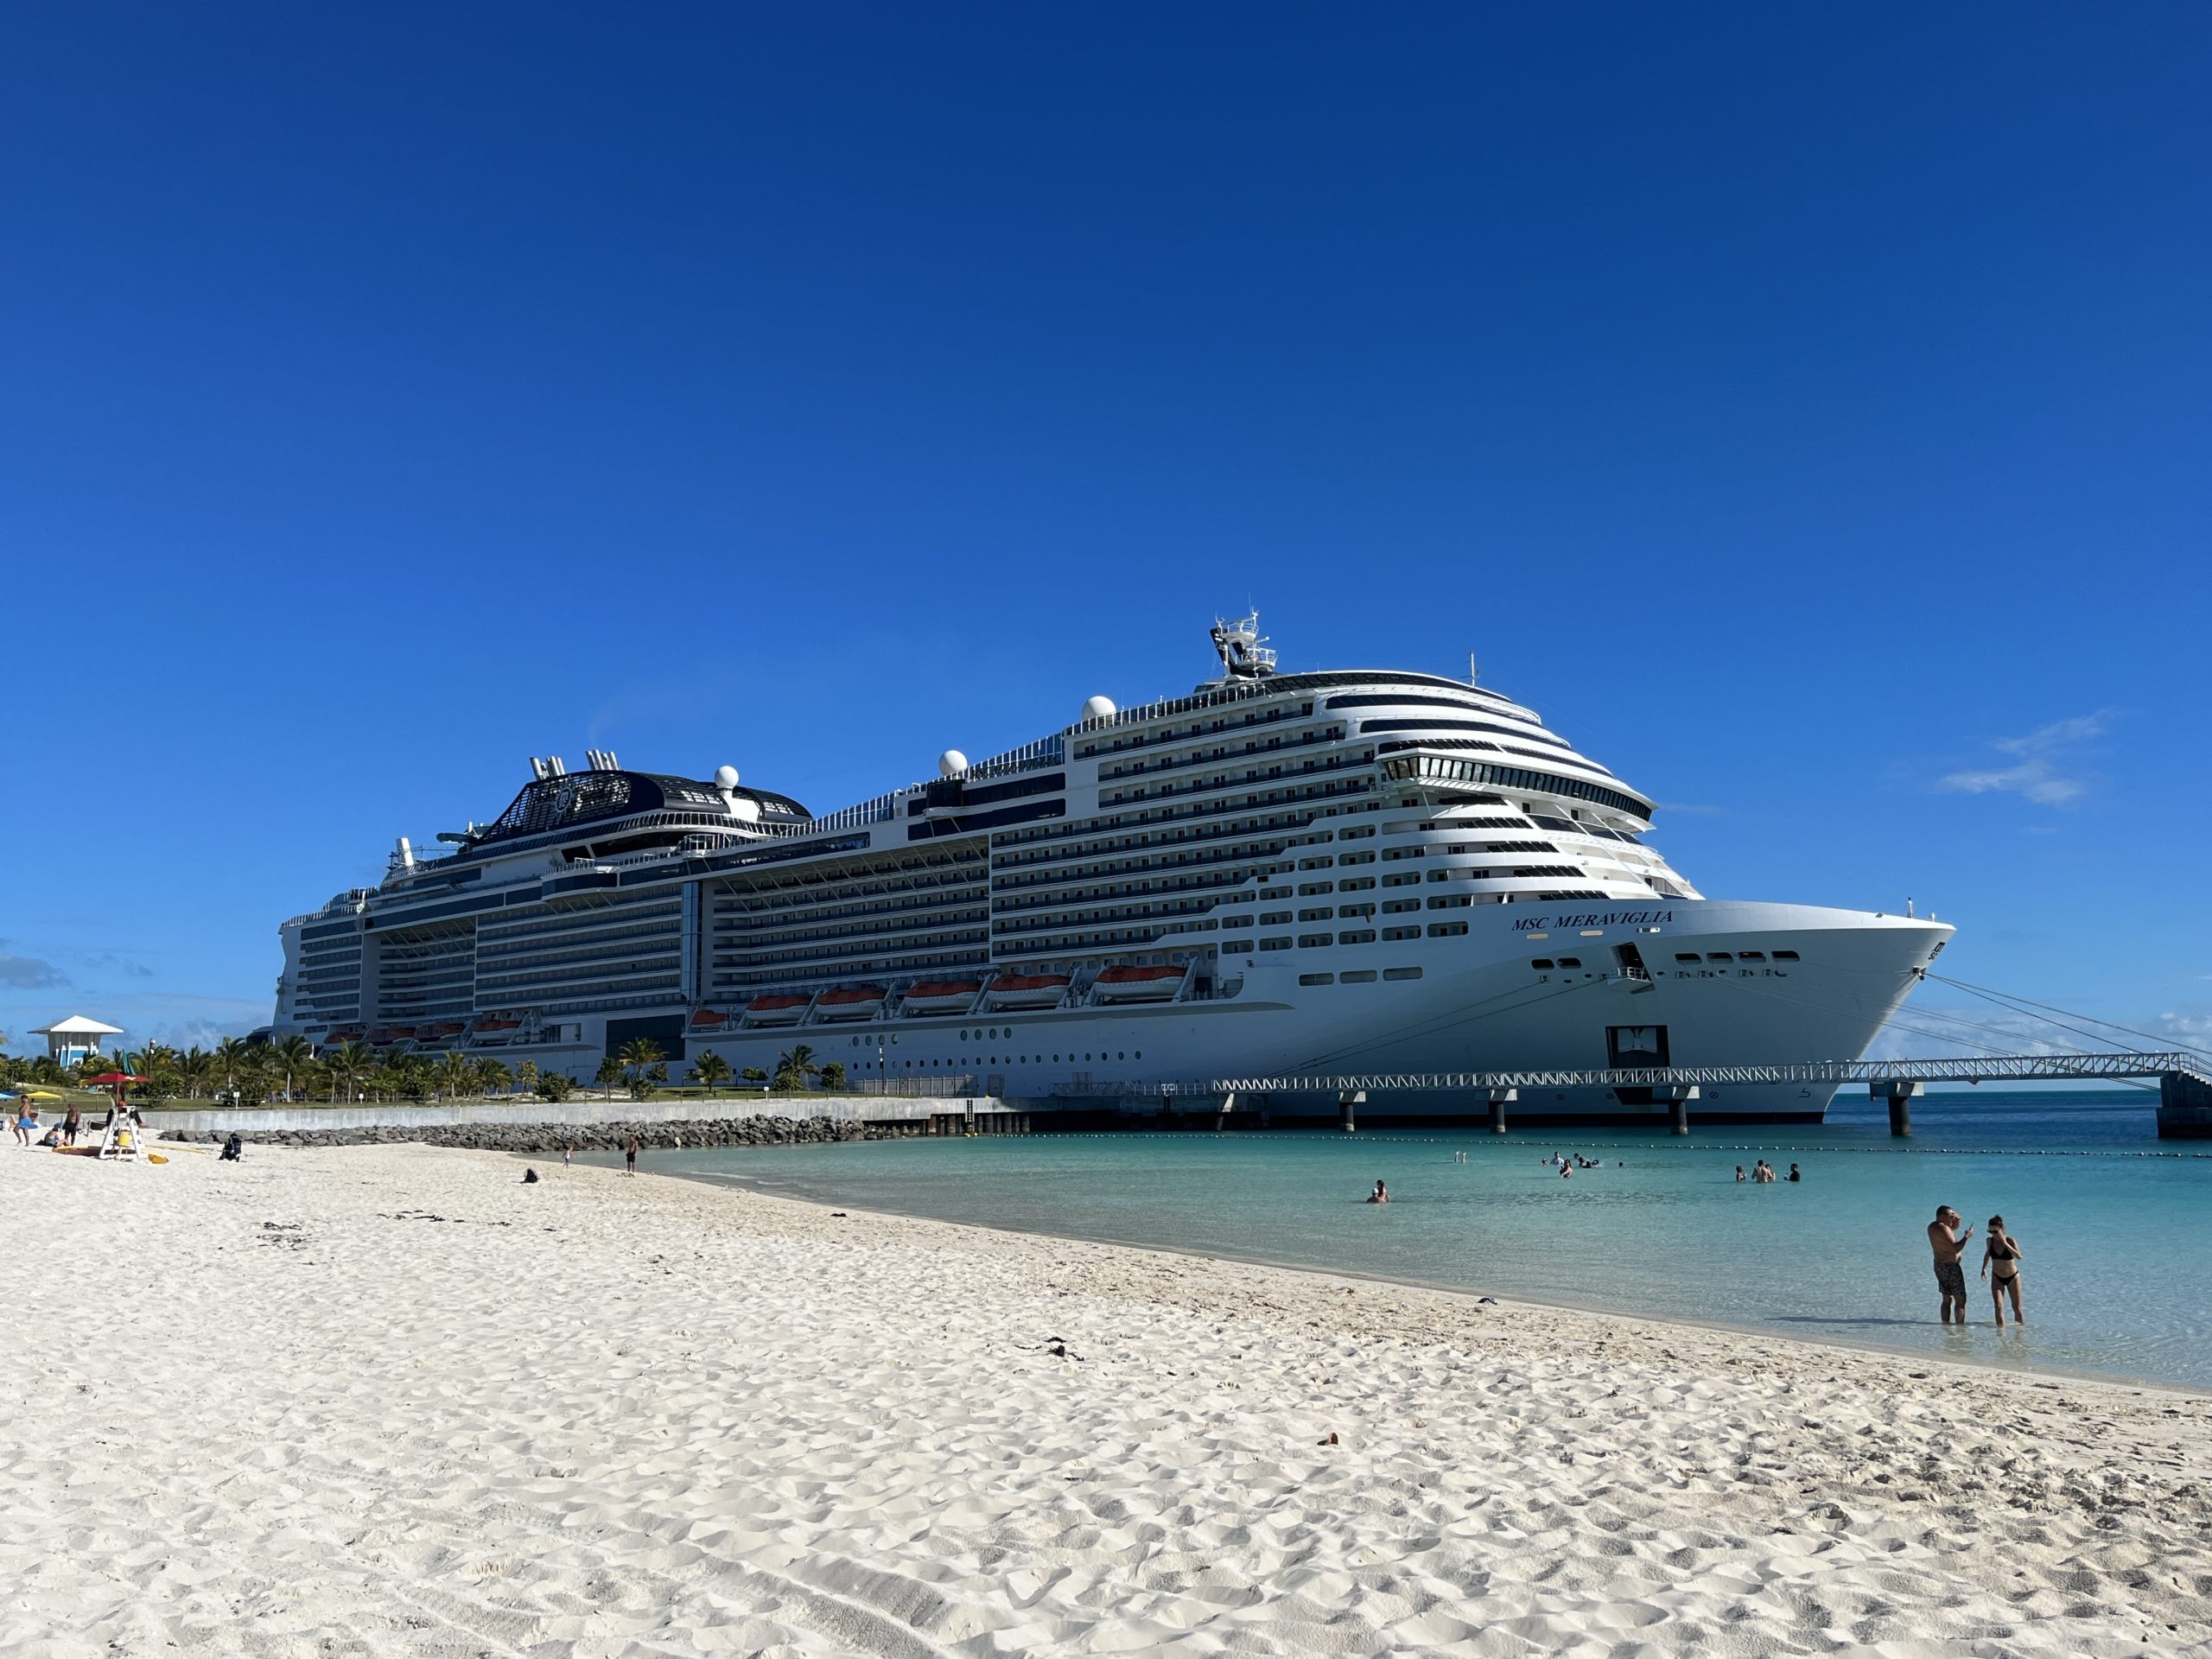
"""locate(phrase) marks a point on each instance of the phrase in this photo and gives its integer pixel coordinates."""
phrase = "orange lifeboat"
(941, 996)
(849, 1002)
(1025, 991)
(486, 1027)
(1130, 984)
(709, 1020)
(776, 1010)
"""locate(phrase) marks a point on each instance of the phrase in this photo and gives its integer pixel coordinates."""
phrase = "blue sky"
(1807, 415)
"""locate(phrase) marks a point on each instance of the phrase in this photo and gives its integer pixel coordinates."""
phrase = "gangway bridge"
(2184, 1083)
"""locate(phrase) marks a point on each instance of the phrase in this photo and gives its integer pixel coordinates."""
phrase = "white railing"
(1993, 1068)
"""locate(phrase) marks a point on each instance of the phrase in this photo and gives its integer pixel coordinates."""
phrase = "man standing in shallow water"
(1949, 1244)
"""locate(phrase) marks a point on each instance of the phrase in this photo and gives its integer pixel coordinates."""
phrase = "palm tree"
(349, 1064)
(794, 1066)
(638, 1053)
(493, 1074)
(457, 1071)
(193, 1069)
(293, 1054)
(709, 1070)
(526, 1074)
(609, 1074)
(231, 1057)
(833, 1075)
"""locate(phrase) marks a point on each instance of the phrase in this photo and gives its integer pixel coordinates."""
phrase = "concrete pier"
(1348, 1103)
(1678, 1097)
(2184, 1108)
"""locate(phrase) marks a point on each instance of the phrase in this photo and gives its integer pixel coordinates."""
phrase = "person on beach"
(2000, 1266)
(630, 1157)
(233, 1150)
(23, 1125)
(1380, 1195)
(70, 1123)
(1949, 1244)
(568, 1157)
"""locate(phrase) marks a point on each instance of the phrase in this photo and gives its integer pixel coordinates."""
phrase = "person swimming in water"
(1380, 1195)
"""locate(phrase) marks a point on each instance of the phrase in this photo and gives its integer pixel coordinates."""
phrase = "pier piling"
(1899, 1093)
(1499, 1100)
(1678, 1096)
(1347, 1103)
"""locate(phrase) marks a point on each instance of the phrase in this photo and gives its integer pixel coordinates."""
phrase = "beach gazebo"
(75, 1039)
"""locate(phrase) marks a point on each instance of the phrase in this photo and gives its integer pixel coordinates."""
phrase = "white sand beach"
(387, 1401)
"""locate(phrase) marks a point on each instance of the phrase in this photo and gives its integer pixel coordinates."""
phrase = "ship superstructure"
(1342, 871)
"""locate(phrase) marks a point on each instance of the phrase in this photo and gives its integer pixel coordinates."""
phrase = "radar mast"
(1243, 648)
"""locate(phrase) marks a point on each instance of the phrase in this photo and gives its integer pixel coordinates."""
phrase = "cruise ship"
(1280, 874)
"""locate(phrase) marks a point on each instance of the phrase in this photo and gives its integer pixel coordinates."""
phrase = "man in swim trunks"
(1949, 1244)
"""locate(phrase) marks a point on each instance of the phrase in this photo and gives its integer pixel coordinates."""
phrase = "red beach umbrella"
(117, 1077)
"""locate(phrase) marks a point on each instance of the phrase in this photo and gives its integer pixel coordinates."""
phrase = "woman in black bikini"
(2000, 1265)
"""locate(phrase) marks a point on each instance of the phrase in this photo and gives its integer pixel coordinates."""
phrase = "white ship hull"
(1478, 1007)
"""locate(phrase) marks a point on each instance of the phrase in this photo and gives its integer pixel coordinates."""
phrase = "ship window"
(1542, 963)
(1718, 955)
(1751, 955)
(1313, 887)
(1321, 913)
(1687, 955)
(1314, 941)
(1355, 834)
(1398, 933)
(1274, 919)
(1446, 930)
(1363, 936)
(1317, 979)
(1402, 973)
(1785, 956)
(1230, 946)
(1570, 962)
(1275, 945)
(1357, 977)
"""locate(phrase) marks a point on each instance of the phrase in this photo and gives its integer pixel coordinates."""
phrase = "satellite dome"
(1097, 707)
(951, 764)
(726, 776)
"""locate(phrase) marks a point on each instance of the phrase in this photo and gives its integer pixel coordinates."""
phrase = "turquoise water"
(2119, 1280)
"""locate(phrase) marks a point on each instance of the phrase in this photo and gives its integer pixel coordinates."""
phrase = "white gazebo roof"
(77, 1025)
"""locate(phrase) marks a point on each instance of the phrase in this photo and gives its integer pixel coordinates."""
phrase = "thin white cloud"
(2043, 766)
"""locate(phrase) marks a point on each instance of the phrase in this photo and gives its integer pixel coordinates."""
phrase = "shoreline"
(1586, 1310)
(388, 1400)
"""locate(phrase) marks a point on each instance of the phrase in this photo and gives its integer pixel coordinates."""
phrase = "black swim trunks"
(1951, 1279)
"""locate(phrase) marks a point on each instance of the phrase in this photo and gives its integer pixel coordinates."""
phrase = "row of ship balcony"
(957, 995)
(1252, 775)
(1286, 804)
(1144, 766)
